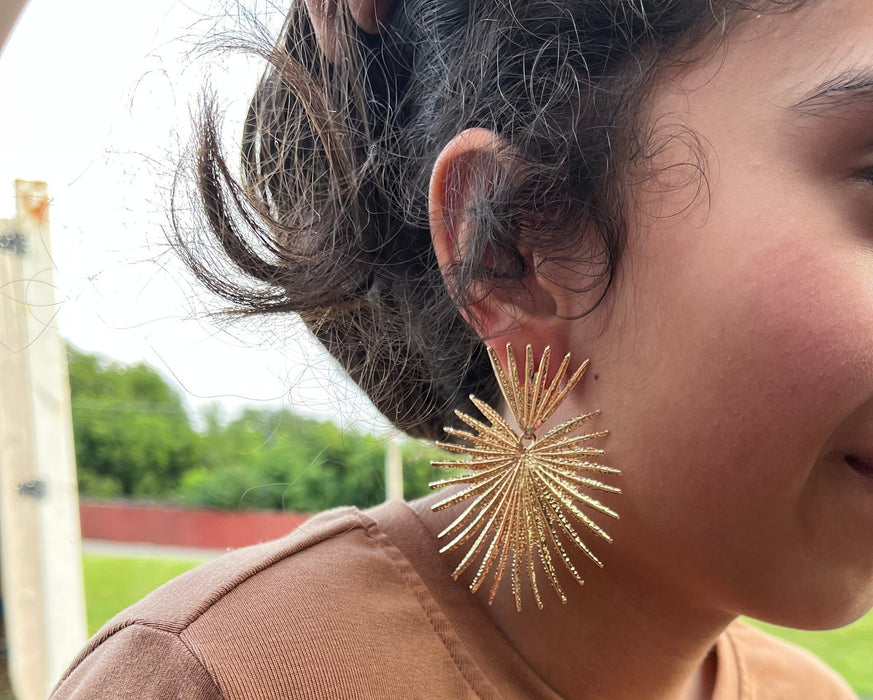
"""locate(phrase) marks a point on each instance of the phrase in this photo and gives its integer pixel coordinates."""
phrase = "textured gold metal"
(524, 491)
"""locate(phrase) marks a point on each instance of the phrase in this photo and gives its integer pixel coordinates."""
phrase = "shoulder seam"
(453, 646)
(200, 663)
(154, 628)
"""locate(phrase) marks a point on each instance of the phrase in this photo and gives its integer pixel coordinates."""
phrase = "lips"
(863, 466)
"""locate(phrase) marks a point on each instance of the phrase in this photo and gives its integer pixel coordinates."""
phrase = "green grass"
(112, 583)
(849, 650)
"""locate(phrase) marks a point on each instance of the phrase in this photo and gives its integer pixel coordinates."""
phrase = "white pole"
(39, 515)
(393, 469)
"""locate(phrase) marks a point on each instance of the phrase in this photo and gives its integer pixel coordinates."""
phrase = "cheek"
(771, 342)
(730, 378)
(794, 333)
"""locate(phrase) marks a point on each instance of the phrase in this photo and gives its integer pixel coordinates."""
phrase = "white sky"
(95, 99)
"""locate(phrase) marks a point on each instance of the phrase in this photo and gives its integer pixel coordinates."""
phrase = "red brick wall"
(183, 527)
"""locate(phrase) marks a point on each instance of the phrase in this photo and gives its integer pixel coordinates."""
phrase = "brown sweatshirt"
(356, 605)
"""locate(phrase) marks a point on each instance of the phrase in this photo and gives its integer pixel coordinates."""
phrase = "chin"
(824, 609)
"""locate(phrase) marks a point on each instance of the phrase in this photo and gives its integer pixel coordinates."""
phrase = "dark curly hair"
(329, 217)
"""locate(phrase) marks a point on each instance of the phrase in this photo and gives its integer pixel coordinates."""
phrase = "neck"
(619, 636)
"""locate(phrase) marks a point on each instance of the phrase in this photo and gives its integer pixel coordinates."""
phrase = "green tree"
(134, 438)
(275, 459)
(132, 434)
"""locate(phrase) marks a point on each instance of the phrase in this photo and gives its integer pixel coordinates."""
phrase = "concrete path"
(144, 549)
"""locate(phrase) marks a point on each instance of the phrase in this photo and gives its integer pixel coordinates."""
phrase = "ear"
(466, 172)
(369, 15)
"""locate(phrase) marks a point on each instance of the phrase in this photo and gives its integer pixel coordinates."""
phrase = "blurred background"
(163, 437)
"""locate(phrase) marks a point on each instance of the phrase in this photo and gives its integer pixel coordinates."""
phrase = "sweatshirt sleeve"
(138, 661)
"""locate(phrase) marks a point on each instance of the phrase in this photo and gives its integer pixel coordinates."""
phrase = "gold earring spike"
(524, 490)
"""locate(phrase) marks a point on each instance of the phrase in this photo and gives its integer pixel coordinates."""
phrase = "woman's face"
(735, 373)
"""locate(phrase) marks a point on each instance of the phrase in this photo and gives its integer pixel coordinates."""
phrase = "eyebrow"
(850, 90)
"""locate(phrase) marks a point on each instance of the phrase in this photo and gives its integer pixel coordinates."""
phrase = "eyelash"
(866, 175)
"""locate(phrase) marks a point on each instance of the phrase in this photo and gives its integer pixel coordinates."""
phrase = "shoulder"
(296, 617)
(770, 668)
(165, 628)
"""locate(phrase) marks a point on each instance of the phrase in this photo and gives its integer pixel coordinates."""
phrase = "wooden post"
(40, 545)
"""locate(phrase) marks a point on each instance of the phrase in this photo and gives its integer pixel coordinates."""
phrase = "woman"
(680, 191)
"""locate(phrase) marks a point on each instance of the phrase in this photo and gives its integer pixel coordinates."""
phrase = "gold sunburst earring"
(523, 489)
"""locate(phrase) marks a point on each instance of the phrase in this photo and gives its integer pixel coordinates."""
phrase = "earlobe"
(467, 172)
